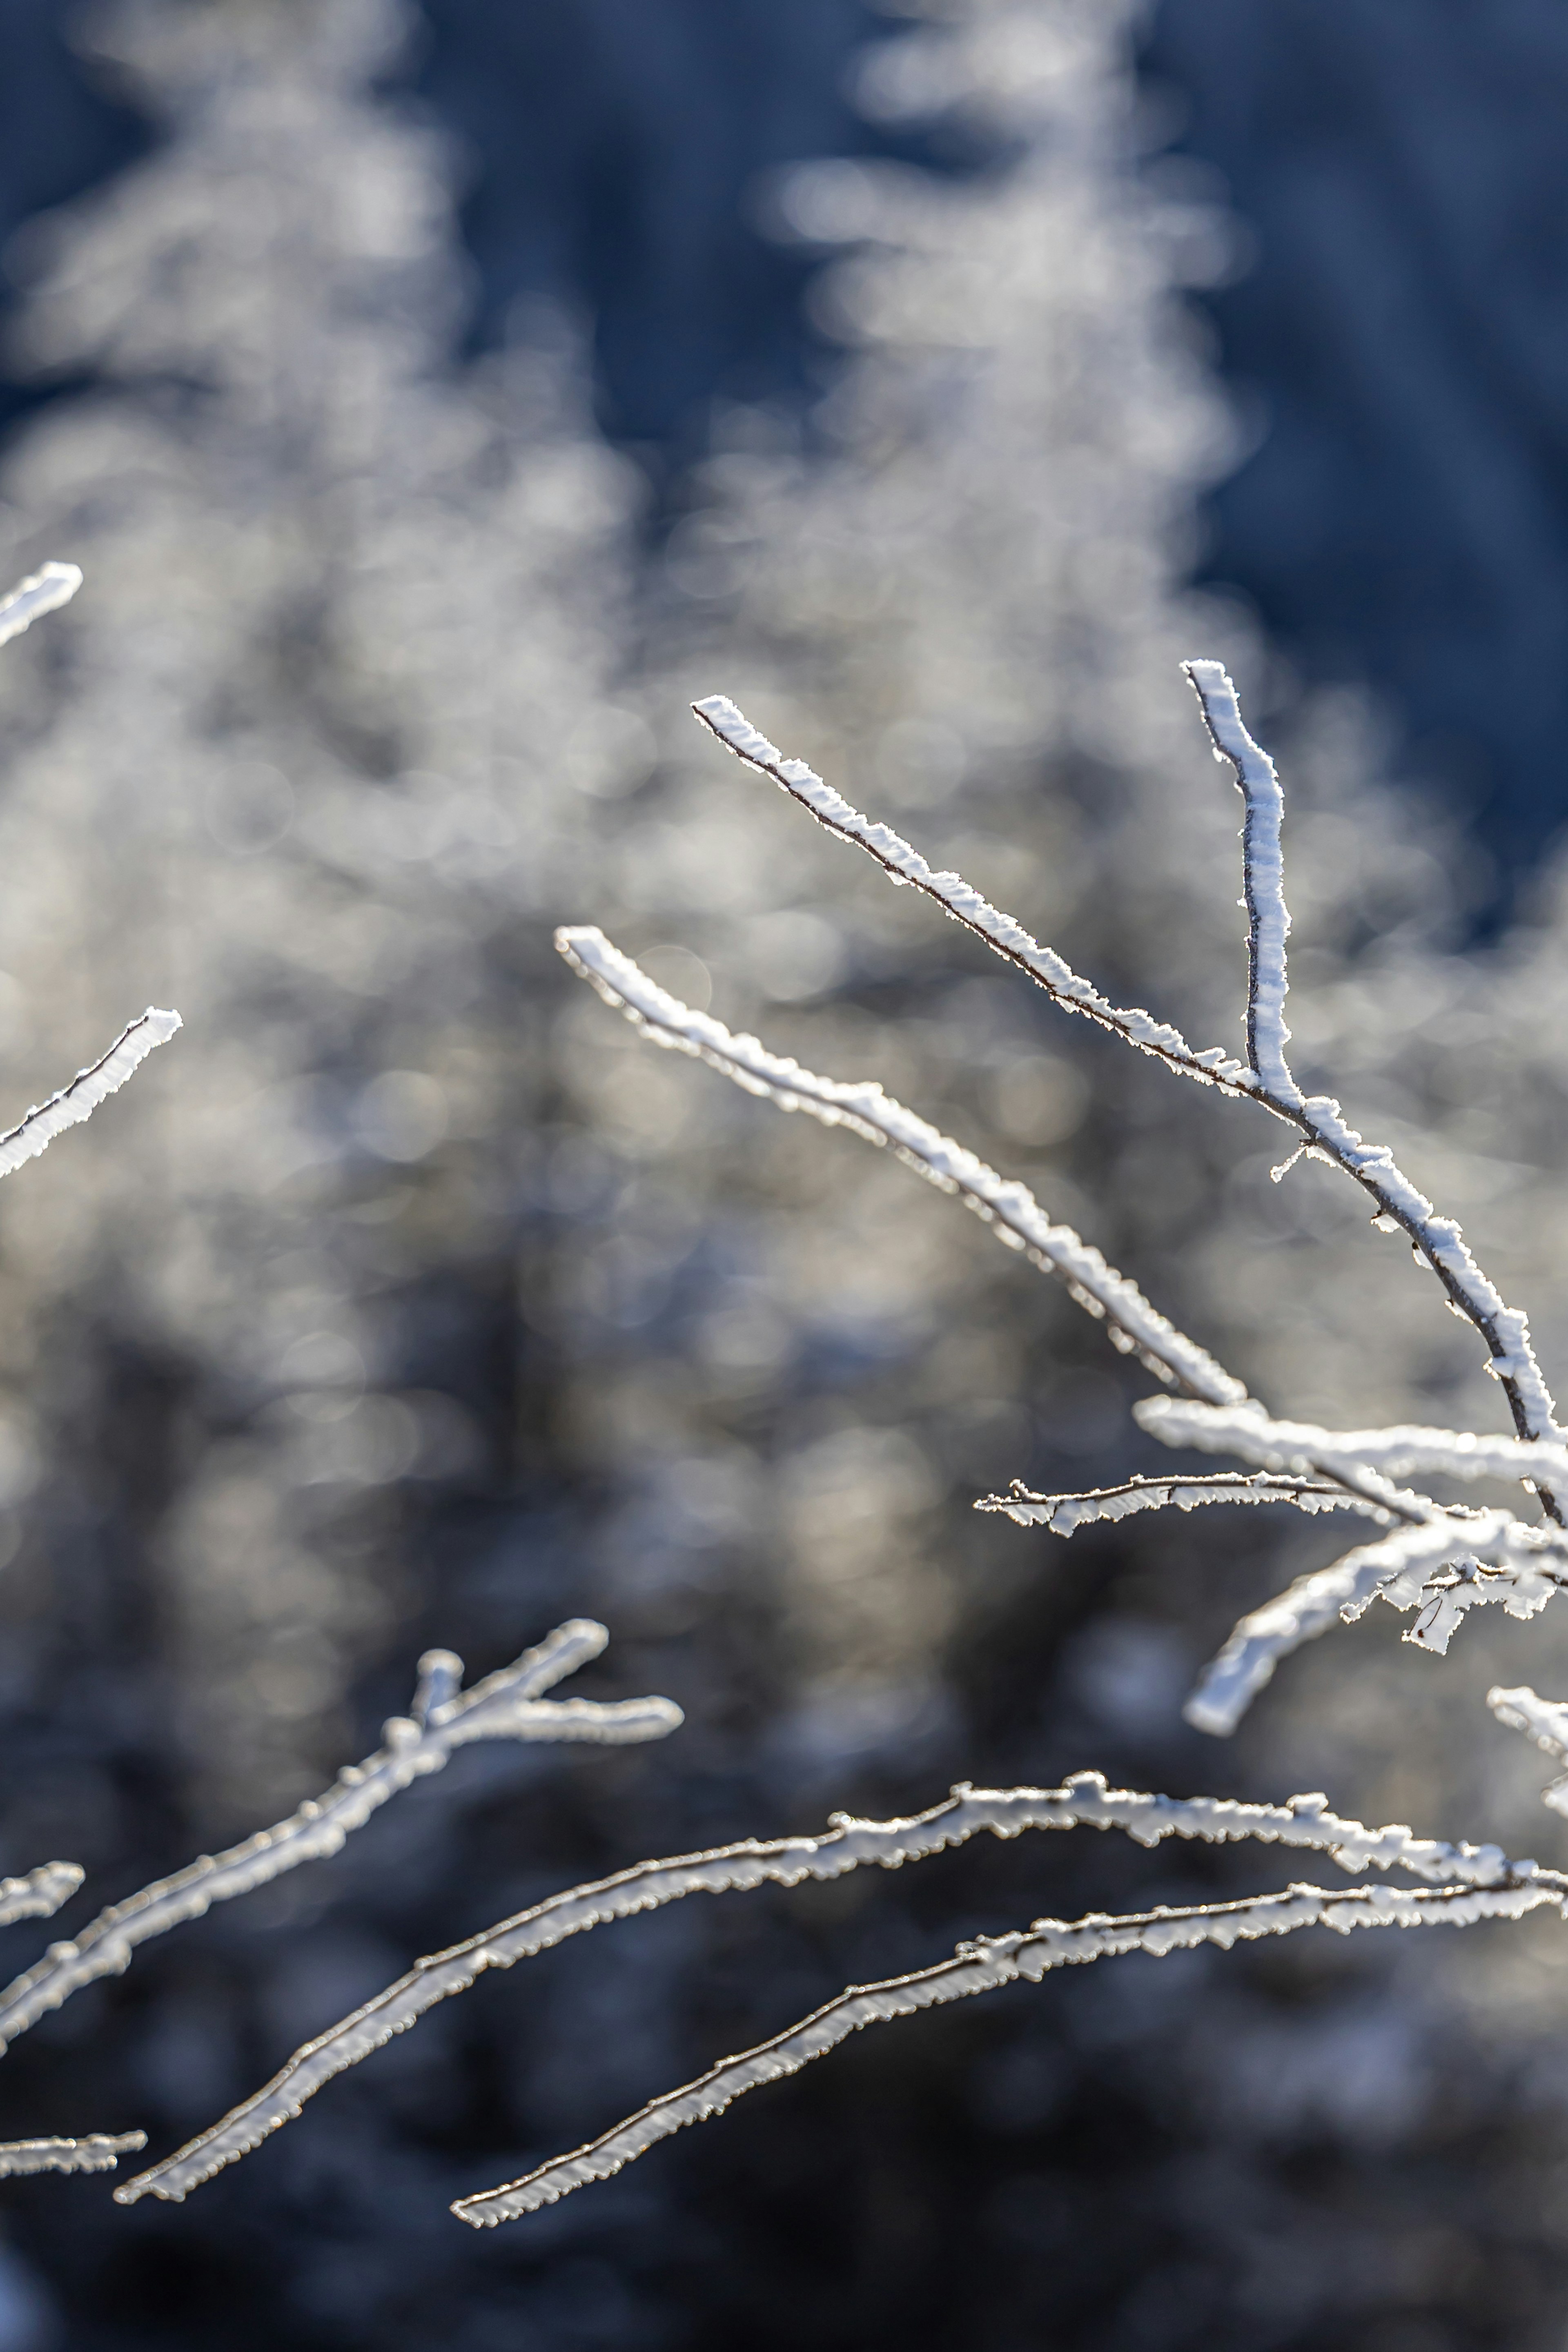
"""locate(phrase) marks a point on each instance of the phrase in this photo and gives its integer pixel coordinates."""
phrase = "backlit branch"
(1009, 1208)
(1084, 1801)
(506, 1706)
(1317, 1119)
(98, 2152)
(989, 1962)
(1065, 1514)
(90, 1086)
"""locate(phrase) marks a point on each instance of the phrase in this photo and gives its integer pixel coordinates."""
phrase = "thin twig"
(505, 1705)
(1065, 1514)
(98, 2152)
(81, 1097)
(1318, 1119)
(982, 1967)
(1084, 1801)
(1010, 1208)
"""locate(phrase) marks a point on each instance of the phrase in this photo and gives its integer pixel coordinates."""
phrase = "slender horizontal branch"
(1065, 1514)
(98, 2152)
(505, 1705)
(982, 1967)
(1403, 1450)
(1009, 1208)
(90, 1086)
(1084, 1801)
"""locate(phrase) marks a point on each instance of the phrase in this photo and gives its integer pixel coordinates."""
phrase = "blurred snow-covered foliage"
(419, 1304)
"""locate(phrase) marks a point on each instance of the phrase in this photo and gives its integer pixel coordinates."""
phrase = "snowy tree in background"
(292, 761)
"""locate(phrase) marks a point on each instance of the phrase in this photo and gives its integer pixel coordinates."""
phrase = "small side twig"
(97, 2152)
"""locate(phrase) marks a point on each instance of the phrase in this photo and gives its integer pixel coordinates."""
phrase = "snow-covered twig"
(40, 1893)
(1404, 1451)
(991, 1961)
(87, 1089)
(506, 1706)
(42, 592)
(1065, 1514)
(98, 2152)
(1406, 1568)
(1317, 1119)
(1263, 867)
(1084, 1801)
(1543, 1720)
(1003, 934)
(1009, 1208)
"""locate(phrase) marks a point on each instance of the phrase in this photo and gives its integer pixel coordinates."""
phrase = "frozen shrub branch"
(99, 2152)
(984, 1965)
(1317, 1119)
(1065, 1514)
(1434, 1559)
(1084, 1801)
(1010, 1209)
(40, 1893)
(87, 1089)
(507, 1704)
(1263, 867)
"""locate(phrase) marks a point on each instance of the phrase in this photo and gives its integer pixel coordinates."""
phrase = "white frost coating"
(98, 2152)
(1002, 934)
(1403, 1569)
(87, 1089)
(505, 1705)
(1065, 1514)
(1011, 1209)
(1543, 1720)
(41, 1893)
(1441, 1243)
(1263, 867)
(43, 592)
(1403, 1451)
(981, 1967)
(1084, 1801)
(1317, 1118)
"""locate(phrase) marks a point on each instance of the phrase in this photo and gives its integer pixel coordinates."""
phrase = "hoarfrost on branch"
(1434, 1559)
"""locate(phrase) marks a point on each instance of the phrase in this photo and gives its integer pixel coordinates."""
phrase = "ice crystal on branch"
(1437, 1559)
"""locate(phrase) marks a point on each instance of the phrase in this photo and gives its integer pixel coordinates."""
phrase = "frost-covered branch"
(1009, 1208)
(1317, 1119)
(1406, 1451)
(1003, 934)
(506, 1706)
(98, 2152)
(40, 1893)
(42, 592)
(1085, 1802)
(1263, 869)
(1543, 1720)
(1436, 1568)
(1065, 1514)
(90, 1086)
(991, 1961)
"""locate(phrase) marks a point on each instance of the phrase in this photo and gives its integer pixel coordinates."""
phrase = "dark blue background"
(1400, 339)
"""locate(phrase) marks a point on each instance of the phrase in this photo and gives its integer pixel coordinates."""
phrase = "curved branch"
(1084, 1801)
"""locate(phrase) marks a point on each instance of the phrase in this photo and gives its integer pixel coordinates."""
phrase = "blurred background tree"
(416, 1302)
